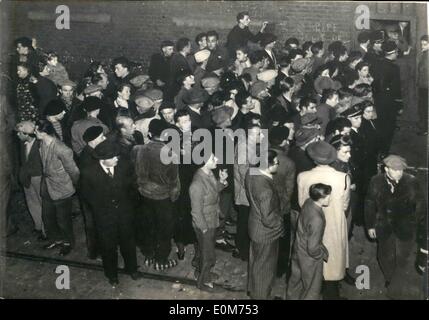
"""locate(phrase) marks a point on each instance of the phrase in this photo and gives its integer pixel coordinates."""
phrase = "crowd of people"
(328, 113)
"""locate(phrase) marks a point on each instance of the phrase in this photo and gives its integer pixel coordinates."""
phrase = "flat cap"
(257, 88)
(322, 152)
(299, 65)
(154, 94)
(25, 127)
(395, 162)
(210, 82)
(195, 96)
(353, 111)
(67, 82)
(322, 83)
(139, 80)
(304, 135)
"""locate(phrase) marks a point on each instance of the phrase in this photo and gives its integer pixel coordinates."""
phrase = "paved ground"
(29, 275)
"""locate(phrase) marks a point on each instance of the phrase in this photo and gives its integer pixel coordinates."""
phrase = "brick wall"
(137, 28)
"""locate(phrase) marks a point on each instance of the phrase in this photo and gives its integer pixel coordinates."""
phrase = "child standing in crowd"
(309, 251)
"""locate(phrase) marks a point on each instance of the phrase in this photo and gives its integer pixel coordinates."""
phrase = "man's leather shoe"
(224, 245)
(65, 249)
(136, 275)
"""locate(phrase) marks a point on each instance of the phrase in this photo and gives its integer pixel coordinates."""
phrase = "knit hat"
(322, 152)
(54, 107)
(202, 55)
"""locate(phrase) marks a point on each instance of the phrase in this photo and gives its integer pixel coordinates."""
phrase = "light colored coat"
(335, 238)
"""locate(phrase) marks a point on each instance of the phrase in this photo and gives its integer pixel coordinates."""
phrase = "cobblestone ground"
(36, 279)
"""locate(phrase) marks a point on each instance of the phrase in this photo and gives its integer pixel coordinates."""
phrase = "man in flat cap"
(159, 187)
(30, 173)
(109, 187)
(387, 94)
(159, 67)
(92, 106)
(195, 99)
(336, 237)
(394, 209)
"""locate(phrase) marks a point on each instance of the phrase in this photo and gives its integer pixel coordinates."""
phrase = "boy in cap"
(30, 173)
(108, 186)
(309, 250)
(394, 209)
(92, 106)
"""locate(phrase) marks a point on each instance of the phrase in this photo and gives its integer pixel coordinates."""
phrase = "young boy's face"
(325, 201)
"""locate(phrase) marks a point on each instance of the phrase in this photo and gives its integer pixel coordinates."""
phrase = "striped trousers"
(262, 269)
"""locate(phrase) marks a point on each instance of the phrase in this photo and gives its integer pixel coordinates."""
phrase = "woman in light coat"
(336, 237)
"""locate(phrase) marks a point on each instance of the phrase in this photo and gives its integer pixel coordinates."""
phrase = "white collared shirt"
(112, 169)
(195, 110)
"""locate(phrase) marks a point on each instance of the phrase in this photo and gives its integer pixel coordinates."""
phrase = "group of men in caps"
(104, 137)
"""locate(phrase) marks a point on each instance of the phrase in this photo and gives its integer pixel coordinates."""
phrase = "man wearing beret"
(159, 67)
(30, 173)
(108, 185)
(159, 186)
(92, 136)
(92, 106)
(336, 236)
(387, 94)
(394, 210)
(219, 57)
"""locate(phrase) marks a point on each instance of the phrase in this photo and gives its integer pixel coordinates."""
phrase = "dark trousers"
(56, 215)
(386, 123)
(226, 206)
(283, 265)
(158, 228)
(205, 254)
(111, 237)
(90, 229)
(242, 240)
(262, 269)
(423, 108)
(395, 258)
(184, 232)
